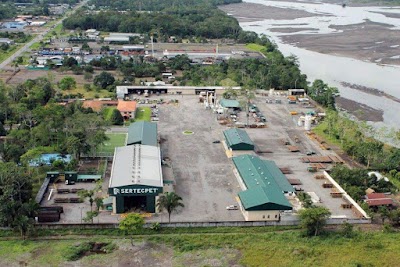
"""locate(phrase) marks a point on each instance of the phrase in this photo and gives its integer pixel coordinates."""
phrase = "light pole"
(81, 208)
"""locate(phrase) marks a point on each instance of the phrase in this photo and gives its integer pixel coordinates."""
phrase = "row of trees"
(359, 140)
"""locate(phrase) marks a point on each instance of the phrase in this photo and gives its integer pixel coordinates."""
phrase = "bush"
(74, 253)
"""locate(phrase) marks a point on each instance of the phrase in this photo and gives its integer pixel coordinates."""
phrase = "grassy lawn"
(143, 114)
(287, 248)
(58, 30)
(107, 113)
(35, 46)
(319, 130)
(255, 47)
(12, 50)
(116, 139)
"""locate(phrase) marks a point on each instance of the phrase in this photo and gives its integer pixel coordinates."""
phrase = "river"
(333, 69)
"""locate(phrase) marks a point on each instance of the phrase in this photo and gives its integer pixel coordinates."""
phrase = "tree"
(103, 80)
(116, 117)
(169, 201)
(23, 224)
(87, 194)
(67, 83)
(384, 213)
(305, 199)
(16, 191)
(131, 224)
(70, 62)
(314, 219)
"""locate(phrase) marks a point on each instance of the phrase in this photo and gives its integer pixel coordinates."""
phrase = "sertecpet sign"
(134, 191)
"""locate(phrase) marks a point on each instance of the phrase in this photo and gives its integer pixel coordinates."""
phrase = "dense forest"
(7, 11)
(40, 2)
(156, 5)
(204, 22)
(36, 7)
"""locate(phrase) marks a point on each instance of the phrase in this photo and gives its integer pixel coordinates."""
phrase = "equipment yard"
(197, 163)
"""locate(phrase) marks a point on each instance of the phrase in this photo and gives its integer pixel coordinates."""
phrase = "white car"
(232, 207)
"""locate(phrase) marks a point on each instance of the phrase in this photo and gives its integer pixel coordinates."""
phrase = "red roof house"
(127, 109)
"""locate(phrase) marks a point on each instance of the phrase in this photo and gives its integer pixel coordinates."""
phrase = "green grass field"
(143, 114)
(116, 139)
(255, 47)
(9, 52)
(287, 248)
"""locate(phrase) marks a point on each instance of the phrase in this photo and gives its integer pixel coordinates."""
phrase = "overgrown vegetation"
(356, 181)
(75, 252)
(357, 139)
(287, 248)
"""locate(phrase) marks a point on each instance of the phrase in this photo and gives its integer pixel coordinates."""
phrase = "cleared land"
(246, 249)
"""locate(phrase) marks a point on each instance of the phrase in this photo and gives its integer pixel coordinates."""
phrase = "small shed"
(237, 139)
(229, 103)
(378, 199)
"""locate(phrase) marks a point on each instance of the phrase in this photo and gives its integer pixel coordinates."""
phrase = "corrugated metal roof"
(265, 184)
(236, 137)
(142, 132)
(229, 103)
(136, 165)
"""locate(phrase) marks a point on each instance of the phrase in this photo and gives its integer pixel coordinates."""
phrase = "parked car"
(232, 207)
(216, 142)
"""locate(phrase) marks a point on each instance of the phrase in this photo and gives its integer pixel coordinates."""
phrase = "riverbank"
(367, 41)
(342, 48)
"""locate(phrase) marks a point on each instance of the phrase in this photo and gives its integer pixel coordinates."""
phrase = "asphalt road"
(38, 38)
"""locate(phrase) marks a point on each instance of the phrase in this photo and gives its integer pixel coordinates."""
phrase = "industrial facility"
(136, 178)
(136, 174)
(130, 91)
(263, 188)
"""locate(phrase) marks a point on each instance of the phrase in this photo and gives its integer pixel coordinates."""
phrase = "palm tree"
(169, 201)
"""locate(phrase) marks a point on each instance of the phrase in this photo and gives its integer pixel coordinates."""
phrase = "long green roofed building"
(237, 139)
(263, 186)
(143, 133)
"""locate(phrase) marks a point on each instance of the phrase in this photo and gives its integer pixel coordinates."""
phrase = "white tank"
(271, 92)
(307, 123)
(299, 123)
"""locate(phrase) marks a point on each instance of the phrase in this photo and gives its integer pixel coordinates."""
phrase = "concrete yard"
(282, 125)
(203, 173)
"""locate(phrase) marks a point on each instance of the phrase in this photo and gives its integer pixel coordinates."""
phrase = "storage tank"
(299, 123)
(307, 123)
(271, 92)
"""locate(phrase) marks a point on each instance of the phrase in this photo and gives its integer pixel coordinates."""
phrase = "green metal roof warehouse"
(229, 103)
(143, 133)
(237, 139)
(265, 184)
